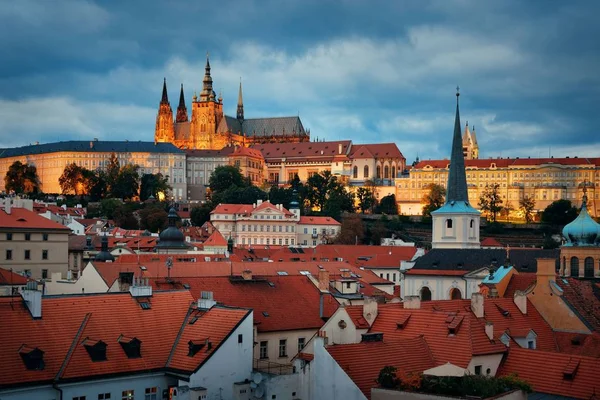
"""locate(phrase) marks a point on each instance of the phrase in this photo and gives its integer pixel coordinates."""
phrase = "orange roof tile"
(520, 282)
(363, 361)
(490, 242)
(436, 272)
(216, 239)
(23, 219)
(304, 220)
(578, 343)
(377, 150)
(8, 277)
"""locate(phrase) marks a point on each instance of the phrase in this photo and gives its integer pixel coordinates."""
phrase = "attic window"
(282, 273)
(570, 370)
(504, 312)
(96, 349)
(33, 358)
(145, 305)
(372, 337)
(194, 346)
(22, 220)
(576, 341)
(265, 314)
(271, 284)
(131, 346)
(193, 320)
(455, 325)
(401, 324)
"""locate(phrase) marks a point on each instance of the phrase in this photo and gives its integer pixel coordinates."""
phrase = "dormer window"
(33, 358)
(194, 346)
(96, 349)
(131, 346)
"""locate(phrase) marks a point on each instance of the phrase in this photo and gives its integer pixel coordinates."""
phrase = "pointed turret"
(457, 178)
(165, 97)
(240, 104)
(182, 115)
(207, 89)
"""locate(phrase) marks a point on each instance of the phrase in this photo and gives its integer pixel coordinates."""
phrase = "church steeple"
(240, 104)
(207, 89)
(457, 179)
(165, 97)
(182, 115)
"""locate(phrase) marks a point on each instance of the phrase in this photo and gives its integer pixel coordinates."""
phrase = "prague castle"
(209, 128)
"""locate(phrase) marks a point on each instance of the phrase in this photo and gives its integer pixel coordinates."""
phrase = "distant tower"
(469, 143)
(164, 130)
(240, 105)
(456, 223)
(182, 115)
(207, 112)
(295, 205)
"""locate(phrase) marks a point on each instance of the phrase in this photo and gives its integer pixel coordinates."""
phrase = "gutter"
(59, 390)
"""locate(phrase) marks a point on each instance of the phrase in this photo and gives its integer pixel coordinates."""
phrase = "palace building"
(210, 128)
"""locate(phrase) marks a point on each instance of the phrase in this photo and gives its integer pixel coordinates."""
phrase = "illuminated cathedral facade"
(210, 128)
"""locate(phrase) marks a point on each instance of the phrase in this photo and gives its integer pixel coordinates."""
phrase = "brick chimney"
(489, 330)
(412, 302)
(339, 148)
(324, 280)
(369, 309)
(546, 272)
(520, 299)
(477, 304)
(140, 287)
(33, 299)
(247, 275)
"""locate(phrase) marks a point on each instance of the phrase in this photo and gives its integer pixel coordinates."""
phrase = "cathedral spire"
(240, 104)
(165, 97)
(457, 180)
(182, 115)
(207, 89)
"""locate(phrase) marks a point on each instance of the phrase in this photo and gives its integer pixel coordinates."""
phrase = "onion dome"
(172, 237)
(583, 231)
(294, 204)
(104, 255)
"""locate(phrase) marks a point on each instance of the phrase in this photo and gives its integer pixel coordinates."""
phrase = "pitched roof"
(363, 361)
(8, 277)
(519, 282)
(216, 239)
(306, 220)
(246, 151)
(99, 146)
(578, 343)
(490, 242)
(303, 150)
(258, 127)
(557, 374)
(508, 162)
(376, 150)
(584, 297)
(76, 320)
(23, 219)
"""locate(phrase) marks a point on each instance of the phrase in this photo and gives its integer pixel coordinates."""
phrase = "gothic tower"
(456, 223)
(470, 146)
(182, 115)
(240, 105)
(207, 112)
(164, 130)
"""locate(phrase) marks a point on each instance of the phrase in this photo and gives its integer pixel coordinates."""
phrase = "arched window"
(393, 172)
(455, 294)
(355, 172)
(386, 172)
(378, 172)
(366, 172)
(564, 266)
(425, 294)
(472, 223)
(588, 267)
(574, 266)
(448, 223)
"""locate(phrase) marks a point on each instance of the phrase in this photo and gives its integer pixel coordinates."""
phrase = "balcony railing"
(273, 368)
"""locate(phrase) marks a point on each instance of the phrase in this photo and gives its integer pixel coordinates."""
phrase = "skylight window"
(282, 273)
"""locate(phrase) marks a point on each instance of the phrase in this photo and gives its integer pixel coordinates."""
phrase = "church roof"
(457, 178)
(302, 150)
(376, 150)
(280, 126)
(100, 146)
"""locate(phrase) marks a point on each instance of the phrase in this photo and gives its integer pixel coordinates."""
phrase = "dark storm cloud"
(351, 69)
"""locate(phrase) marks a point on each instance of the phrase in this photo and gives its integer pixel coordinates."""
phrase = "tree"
(152, 185)
(490, 200)
(108, 207)
(226, 176)
(127, 183)
(366, 199)
(112, 172)
(433, 199)
(125, 218)
(379, 231)
(526, 205)
(388, 205)
(352, 230)
(75, 179)
(387, 377)
(559, 212)
(199, 215)
(22, 178)
(153, 218)
(97, 187)
(279, 195)
(325, 193)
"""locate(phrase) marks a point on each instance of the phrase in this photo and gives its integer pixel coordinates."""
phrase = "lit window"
(151, 393)
(127, 395)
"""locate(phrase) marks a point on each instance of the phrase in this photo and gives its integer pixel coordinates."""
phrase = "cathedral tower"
(207, 112)
(164, 130)
(240, 105)
(182, 115)
(470, 146)
(456, 223)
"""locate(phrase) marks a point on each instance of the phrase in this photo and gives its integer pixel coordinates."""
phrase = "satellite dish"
(257, 377)
(259, 392)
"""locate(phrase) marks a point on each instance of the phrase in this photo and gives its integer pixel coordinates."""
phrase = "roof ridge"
(73, 344)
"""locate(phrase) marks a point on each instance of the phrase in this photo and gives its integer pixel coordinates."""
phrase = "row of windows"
(268, 241)
(149, 394)
(264, 348)
(26, 236)
(588, 267)
(218, 216)
(267, 228)
(26, 254)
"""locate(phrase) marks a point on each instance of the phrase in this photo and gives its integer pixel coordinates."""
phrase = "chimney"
(520, 299)
(140, 288)
(412, 302)
(370, 310)
(546, 272)
(206, 301)
(477, 304)
(247, 275)
(339, 148)
(489, 330)
(33, 299)
(7, 205)
(258, 202)
(323, 280)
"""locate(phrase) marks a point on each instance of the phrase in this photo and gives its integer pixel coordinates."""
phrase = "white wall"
(76, 227)
(273, 346)
(388, 273)
(90, 281)
(231, 363)
(491, 361)
(439, 285)
(33, 393)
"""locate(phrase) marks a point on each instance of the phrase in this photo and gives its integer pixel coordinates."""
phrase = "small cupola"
(583, 231)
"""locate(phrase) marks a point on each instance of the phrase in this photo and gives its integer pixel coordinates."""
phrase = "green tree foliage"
(226, 176)
(559, 212)
(153, 184)
(326, 194)
(366, 199)
(280, 195)
(22, 179)
(153, 218)
(527, 205)
(387, 205)
(200, 214)
(108, 207)
(379, 231)
(352, 230)
(76, 179)
(125, 218)
(337, 202)
(387, 377)
(238, 195)
(97, 188)
(433, 199)
(127, 184)
(490, 201)
(112, 172)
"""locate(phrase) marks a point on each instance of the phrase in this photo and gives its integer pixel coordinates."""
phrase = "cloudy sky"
(370, 71)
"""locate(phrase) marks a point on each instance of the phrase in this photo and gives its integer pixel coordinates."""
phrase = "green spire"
(457, 179)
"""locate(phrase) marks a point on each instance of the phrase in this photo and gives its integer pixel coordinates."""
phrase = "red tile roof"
(363, 361)
(8, 277)
(216, 239)
(377, 150)
(507, 162)
(521, 282)
(304, 220)
(356, 314)
(246, 151)
(443, 272)
(291, 302)
(490, 242)
(302, 151)
(21, 218)
(75, 320)
(232, 209)
(545, 371)
(578, 343)
(584, 297)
